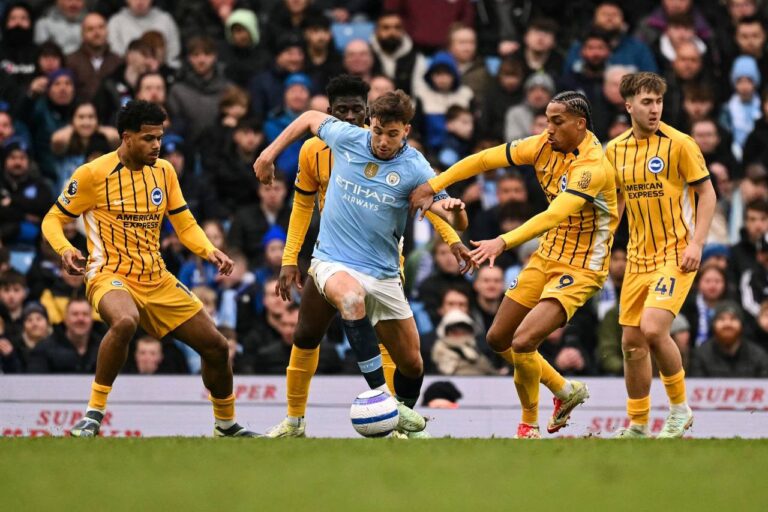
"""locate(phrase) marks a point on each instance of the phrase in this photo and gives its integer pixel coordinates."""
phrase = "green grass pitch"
(188, 474)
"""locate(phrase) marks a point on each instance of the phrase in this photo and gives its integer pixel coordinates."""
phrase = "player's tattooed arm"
(264, 166)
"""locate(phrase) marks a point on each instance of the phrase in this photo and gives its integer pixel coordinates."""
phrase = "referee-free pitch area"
(170, 474)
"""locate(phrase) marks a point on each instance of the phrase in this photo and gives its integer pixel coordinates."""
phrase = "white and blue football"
(374, 413)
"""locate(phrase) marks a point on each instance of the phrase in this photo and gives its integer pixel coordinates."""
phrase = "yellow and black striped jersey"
(655, 176)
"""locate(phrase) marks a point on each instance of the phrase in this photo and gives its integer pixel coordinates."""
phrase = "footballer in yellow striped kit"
(659, 171)
(571, 264)
(123, 197)
(347, 96)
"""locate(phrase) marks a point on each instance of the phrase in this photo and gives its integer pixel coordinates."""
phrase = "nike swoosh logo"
(118, 202)
(663, 298)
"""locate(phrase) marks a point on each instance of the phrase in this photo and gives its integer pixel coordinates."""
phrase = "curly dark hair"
(137, 113)
(345, 86)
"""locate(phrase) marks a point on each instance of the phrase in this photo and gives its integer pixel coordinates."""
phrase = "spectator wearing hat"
(242, 55)
(295, 102)
(539, 89)
(73, 346)
(267, 87)
(754, 282)
(253, 221)
(193, 103)
(36, 327)
(744, 107)
(394, 54)
(455, 351)
(439, 89)
(61, 24)
(728, 353)
(18, 52)
(138, 17)
(24, 198)
(119, 88)
(323, 61)
(93, 61)
(441, 394)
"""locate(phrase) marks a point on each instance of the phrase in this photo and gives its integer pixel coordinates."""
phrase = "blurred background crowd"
(232, 74)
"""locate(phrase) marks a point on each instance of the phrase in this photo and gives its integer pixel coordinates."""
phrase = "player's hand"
(453, 204)
(487, 250)
(422, 198)
(691, 258)
(264, 169)
(464, 258)
(289, 276)
(222, 261)
(73, 262)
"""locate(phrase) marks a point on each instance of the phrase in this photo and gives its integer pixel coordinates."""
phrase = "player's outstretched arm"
(72, 260)
(564, 205)
(298, 225)
(492, 158)
(705, 210)
(264, 166)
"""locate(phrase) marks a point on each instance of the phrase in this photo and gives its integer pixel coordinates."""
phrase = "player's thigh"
(401, 338)
(114, 299)
(343, 290)
(508, 318)
(548, 315)
(570, 286)
(667, 290)
(315, 315)
(200, 333)
(634, 292)
(526, 289)
(169, 304)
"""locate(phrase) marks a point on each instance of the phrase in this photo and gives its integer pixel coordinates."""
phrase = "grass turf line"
(326, 474)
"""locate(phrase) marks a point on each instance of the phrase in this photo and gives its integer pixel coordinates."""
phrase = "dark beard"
(390, 44)
(17, 36)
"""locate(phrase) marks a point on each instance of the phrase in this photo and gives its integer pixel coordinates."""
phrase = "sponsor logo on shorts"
(117, 283)
(156, 196)
(656, 165)
(393, 178)
(565, 280)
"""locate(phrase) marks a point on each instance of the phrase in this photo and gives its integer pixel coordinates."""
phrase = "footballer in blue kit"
(355, 264)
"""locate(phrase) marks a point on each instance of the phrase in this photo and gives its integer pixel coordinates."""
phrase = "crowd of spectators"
(231, 74)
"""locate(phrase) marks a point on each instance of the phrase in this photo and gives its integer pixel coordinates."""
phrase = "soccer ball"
(374, 413)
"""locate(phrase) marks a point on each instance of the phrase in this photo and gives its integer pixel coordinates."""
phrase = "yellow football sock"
(301, 368)
(223, 408)
(527, 376)
(508, 355)
(388, 365)
(675, 386)
(99, 395)
(550, 377)
(638, 410)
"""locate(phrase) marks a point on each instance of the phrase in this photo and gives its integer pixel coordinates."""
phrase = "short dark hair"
(12, 277)
(203, 44)
(684, 19)
(148, 74)
(544, 25)
(136, 113)
(455, 111)
(77, 298)
(139, 45)
(345, 86)
(759, 205)
(750, 20)
(698, 92)
(635, 83)
(393, 106)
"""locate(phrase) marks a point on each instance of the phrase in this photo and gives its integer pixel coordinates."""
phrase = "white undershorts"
(384, 298)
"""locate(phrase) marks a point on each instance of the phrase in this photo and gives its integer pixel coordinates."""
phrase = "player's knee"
(526, 341)
(125, 326)
(217, 351)
(634, 347)
(352, 305)
(497, 341)
(653, 333)
(305, 339)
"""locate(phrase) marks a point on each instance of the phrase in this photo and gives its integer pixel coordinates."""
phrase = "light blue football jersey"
(366, 206)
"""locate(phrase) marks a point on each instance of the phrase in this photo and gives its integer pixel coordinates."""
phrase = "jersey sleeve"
(79, 194)
(337, 133)
(306, 180)
(176, 202)
(691, 165)
(587, 179)
(524, 151)
(424, 173)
